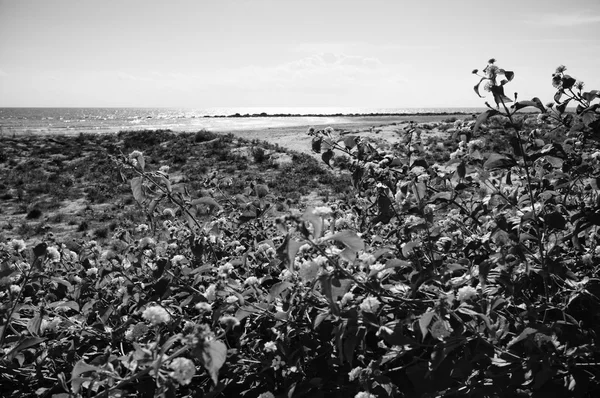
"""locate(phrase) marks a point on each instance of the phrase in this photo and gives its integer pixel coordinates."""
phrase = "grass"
(44, 177)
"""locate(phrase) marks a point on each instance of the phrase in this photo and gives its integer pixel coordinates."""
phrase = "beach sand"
(385, 128)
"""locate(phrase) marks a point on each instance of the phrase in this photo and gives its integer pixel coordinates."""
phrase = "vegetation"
(473, 277)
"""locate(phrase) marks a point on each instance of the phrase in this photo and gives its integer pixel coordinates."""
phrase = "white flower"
(347, 297)
(203, 307)
(156, 315)
(178, 260)
(270, 346)
(231, 299)
(164, 169)
(267, 394)
(142, 228)
(354, 373)
(53, 254)
(92, 271)
(18, 245)
(465, 293)
(370, 304)
(183, 370)
(15, 289)
(277, 362)
(251, 280)
(322, 211)
(367, 258)
(211, 293)
(308, 271)
(364, 394)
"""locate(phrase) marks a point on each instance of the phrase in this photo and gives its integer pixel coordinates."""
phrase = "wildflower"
(178, 260)
(277, 362)
(203, 307)
(308, 270)
(231, 299)
(475, 71)
(251, 280)
(91, 271)
(354, 373)
(164, 169)
(556, 81)
(18, 245)
(370, 304)
(367, 258)
(466, 293)
(270, 346)
(183, 370)
(225, 268)
(492, 71)
(53, 254)
(267, 394)
(211, 293)
(491, 60)
(364, 394)
(15, 289)
(136, 331)
(560, 69)
(579, 85)
(347, 297)
(322, 211)
(146, 243)
(49, 325)
(156, 315)
(142, 228)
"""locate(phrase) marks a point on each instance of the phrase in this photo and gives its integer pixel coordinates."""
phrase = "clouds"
(566, 19)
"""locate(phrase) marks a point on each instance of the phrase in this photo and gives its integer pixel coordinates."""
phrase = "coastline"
(286, 131)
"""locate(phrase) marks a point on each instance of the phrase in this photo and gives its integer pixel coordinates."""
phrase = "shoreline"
(290, 134)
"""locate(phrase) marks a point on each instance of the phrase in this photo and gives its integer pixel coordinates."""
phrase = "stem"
(531, 198)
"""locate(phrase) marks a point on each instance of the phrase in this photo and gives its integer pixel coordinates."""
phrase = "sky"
(287, 53)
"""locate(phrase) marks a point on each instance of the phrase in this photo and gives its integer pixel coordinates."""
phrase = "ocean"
(107, 120)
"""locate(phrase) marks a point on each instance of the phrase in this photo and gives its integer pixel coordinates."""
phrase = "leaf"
(555, 220)
(279, 288)
(348, 238)
(350, 141)
(591, 95)
(461, 170)
(138, 190)
(424, 322)
(499, 96)
(476, 88)
(441, 196)
(327, 156)
(288, 250)
(420, 190)
(567, 82)
(26, 343)
(316, 222)
(409, 247)
(326, 289)
(206, 201)
(509, 75)
(483, 117)
(522, 336)
(316, 144)
(213, 356)
(524, 104)
(558, 95)
(498, 161)
(80, 368)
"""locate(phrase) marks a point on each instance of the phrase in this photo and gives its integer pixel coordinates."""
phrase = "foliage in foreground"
(473, 278)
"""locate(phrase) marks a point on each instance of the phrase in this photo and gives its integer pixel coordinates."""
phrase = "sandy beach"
(386, 128)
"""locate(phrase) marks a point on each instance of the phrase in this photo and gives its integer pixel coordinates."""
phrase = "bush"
(477, 277)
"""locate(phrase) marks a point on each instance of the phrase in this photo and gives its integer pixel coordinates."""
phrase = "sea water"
(106, 120)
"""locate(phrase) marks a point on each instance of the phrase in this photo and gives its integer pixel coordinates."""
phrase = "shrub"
(476, 278)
